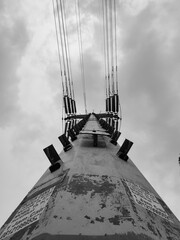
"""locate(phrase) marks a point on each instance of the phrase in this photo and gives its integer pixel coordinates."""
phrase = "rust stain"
(128, 236)
(103, 205)
(125, 212)
(115, 220)
(151, 228)
(99, 219)
(115, 207)
(159, 233)
(82, 184)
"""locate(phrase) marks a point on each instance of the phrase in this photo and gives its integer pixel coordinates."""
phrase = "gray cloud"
(13, 41)
(149, 71)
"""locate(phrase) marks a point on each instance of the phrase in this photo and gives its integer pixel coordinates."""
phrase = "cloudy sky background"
(31, 94)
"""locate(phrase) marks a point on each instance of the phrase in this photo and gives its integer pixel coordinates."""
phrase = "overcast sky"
(31, 94)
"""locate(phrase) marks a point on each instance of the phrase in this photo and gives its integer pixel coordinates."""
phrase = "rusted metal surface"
(94, 195)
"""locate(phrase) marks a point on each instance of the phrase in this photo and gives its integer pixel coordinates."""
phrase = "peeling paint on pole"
(94, 195)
